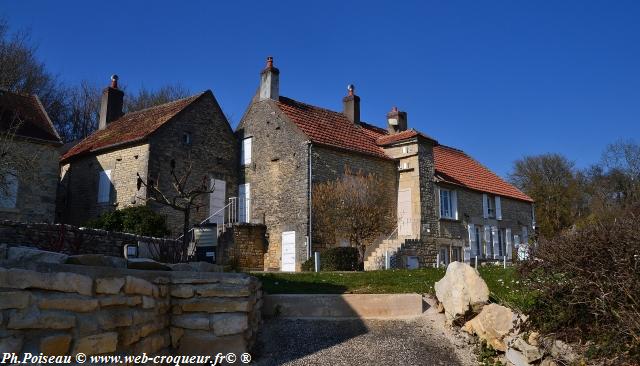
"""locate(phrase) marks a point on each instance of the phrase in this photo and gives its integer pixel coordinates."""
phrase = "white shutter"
(454, 204)
(244, 202)
(246, 151)
(496, 242)
(487, 241)
(508, 243)
(485, 207)
(439, 198)
(9, 190)
(104, 186)
(472, 239)
(525, 235)
(498, 208)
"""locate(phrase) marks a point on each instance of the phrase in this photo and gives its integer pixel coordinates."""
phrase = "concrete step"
(346, 306)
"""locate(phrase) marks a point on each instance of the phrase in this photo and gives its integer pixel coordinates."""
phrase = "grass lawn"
(504, 285)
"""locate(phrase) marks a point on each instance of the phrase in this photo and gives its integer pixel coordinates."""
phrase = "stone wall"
(243, 246)
(36, 201)
(66, 309)
(71, 239)
(425, 249)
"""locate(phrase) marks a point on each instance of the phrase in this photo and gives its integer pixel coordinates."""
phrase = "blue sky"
(498, 79)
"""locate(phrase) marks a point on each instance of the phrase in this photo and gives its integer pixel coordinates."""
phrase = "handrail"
(232, 200)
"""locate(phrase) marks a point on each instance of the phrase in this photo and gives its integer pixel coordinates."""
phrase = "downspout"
(309, 190)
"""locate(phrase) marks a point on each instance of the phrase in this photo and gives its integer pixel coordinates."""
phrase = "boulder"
(492, 325)
(461, 290)
(516, 358)
(32, 255)
(97, 260)
(146, 264)
(196, 267)
(534, 339)
(531, 353)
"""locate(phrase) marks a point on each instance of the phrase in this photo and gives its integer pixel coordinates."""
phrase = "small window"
(491, 207)
(104, 186)
(448, 209)
(8, 190)
(404, 165)
(406, 150)
(187, 139)
(245, 154)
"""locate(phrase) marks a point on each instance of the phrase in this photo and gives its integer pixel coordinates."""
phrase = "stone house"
(99, 174)
(29, 146)
(450, 207)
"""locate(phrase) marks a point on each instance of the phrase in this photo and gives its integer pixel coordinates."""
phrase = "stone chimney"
(396, 121)
(270, 81)
(351, 105)
(111, 106)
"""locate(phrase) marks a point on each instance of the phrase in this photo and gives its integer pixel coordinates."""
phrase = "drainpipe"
(309, 190)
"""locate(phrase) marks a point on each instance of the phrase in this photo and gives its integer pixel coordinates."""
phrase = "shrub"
(588, 283)
(335, 259)
(140, 220)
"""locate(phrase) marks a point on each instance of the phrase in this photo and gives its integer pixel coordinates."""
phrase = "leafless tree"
(146, 98)
(184, 195)
(357, 207)
(14, 163)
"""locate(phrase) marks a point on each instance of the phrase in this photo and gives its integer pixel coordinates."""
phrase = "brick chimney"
(270, 81)
(351, 105)
(111, 106)
(396, 121)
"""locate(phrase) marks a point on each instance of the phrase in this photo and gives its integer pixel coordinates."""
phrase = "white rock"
(531, 353)
(460, 290)
(32, 255)
(516, 357)
(492, 325)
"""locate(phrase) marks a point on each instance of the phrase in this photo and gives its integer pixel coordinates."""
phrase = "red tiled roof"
(331, 128)
(456, 167)
(33, 119)
(130, 127)
(397, 137)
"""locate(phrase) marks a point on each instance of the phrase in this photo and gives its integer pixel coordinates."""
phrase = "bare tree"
(357, 207)
(146, 98)
(184, 196)
(14, 163)
(83, 110)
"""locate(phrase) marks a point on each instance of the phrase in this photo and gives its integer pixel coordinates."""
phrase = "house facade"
(29, 146)
(100, 173)
(450, 207)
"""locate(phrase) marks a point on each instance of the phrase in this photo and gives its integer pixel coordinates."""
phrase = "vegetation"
(335, 259)
(357, 206)
(140, 220)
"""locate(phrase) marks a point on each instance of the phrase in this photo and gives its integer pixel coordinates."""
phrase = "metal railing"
(221, 221)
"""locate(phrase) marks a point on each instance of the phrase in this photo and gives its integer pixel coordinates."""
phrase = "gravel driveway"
(420, 341)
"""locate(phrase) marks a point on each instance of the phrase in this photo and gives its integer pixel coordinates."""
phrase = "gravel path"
(419, 341)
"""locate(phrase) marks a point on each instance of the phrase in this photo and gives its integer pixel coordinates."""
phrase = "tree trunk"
(185, 234)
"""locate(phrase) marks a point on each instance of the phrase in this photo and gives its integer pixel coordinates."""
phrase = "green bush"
(140, 220)
(335, 259)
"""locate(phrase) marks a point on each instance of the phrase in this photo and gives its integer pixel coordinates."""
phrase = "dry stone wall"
(65, 309)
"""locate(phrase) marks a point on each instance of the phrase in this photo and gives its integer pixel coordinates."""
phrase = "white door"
(217, 200)
(405, 220)
(288, 251)
(244, 202)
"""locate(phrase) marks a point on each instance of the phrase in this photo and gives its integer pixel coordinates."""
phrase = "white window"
(488, 203)
(104, 186)
(406, 149)
(448, 204)
(244, 202)
(9, 190)
(404, 165)
(245, 158)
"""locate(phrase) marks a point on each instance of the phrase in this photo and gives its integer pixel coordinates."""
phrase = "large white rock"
(460, 290)
(492, 325)
(33, 255)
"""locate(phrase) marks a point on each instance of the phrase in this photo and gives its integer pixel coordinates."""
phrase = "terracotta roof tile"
(130, 127)
(331, 128)
(456, 167)
(35, 122)
(404, 135)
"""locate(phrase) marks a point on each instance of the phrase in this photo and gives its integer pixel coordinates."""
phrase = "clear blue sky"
(498, 79)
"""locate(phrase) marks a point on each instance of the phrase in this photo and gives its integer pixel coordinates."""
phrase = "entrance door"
(217, 202)
(405, 219)
(288, 251)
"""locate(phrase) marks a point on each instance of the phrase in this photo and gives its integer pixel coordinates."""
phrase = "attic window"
(186, 139)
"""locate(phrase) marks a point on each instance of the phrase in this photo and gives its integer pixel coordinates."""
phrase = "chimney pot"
(270, 81)
(111, 104)
(351, 105)
(396, 121)
(114, 81)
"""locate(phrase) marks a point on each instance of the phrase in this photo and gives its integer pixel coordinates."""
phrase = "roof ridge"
(163, 104)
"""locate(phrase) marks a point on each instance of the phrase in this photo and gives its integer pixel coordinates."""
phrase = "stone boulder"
(97, 260)
(146, 264)
(33, 255)
(493, 324)
(196, 267)
(461, 290)
(529, 352)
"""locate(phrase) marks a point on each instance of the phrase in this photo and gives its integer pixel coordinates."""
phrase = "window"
(448, 204)
(104, 186)
(244, 203)
(9, 190)
(186, 138)
(245, 154)
(406, 149)
(404, 165)
(491, 207)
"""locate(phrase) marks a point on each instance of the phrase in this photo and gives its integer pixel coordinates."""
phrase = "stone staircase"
(375, 259)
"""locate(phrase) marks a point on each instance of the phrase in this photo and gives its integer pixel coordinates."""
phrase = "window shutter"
(508, 243)
(454, 204)
(244, 199)
(104, 186)
(525, 235)
(472, 239)
(9, 191)
(485, 208)
(496, 242)
(439, 198)
(498, 208)
(487, 239)
(246, 151)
